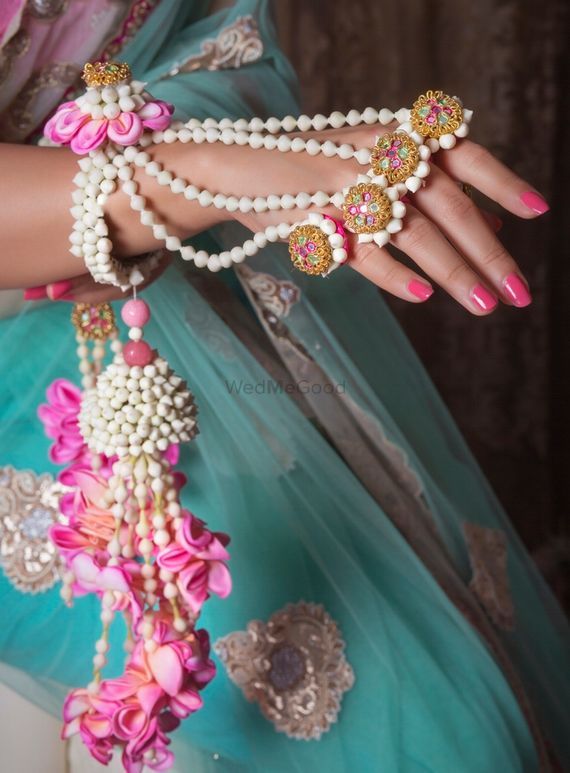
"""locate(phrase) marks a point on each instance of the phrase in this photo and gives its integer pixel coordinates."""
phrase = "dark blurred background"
(505, 378)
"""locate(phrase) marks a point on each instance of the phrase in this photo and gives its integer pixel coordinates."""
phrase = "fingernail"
(517, 290)
(58, 289)
(535, 202)
(35, 293)
(421, 290)
(482, 298)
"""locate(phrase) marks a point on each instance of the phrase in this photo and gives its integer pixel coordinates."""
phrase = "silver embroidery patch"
(28, 507)
(274, 295)
(294, 666)
(490, 583)
(237, 44)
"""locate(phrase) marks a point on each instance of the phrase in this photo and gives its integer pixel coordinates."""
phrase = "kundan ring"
(318, 245)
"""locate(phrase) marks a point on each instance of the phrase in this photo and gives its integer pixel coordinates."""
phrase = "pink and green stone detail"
(396, 156)
(366, 208)
(307, 252)
(435, 114)
(310, 249)
(93, 321)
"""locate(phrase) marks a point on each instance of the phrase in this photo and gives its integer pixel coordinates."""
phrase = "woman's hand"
(446, 235)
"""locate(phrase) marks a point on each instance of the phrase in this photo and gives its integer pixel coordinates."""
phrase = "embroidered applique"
(274, 299)
(28, 507)
(16, 47)
(294, 666)
(51, 76)
(274, 295)
(236, 45)
(490, 582)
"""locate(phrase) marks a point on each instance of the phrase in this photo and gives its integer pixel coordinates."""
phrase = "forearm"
(35, 222)
(36, 187)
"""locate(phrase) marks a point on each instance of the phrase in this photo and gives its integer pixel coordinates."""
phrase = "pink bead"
(135, 313)
(137, 353)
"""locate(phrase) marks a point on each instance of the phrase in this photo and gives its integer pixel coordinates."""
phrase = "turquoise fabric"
(429, 695)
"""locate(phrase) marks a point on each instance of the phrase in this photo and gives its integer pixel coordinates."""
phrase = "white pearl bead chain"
(244, 204)
(304, 123)
(256, 140)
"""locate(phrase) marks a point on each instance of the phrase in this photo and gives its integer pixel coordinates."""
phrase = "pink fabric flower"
(89, 136)
(138, 709)
(93, 577)
(91, 525)
(156, 115)
(59, 417)
(91, 717)
(197, 556)
(126, 129)
(70, 126)
(65, 123)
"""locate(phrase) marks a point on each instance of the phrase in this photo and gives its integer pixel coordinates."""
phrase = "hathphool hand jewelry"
(125, 536)
(115, 120)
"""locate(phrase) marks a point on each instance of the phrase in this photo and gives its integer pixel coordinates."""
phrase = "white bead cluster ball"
(134, 410)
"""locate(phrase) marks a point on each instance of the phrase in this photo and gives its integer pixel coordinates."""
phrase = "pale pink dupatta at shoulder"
(43, 48)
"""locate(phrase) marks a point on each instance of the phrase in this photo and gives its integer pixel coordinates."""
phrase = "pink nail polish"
(35, 293)
(59, 289)
(482, 298)
(535, 202)
(421, 290)
(517, 290)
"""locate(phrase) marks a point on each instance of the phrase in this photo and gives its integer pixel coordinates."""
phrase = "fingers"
(377, 265)
(431, 251)
(84, 289)
(460, 220)
(477, 166)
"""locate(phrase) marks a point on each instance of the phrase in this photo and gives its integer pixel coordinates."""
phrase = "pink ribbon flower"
(59, 417)
(71, 126)
(197, 557)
